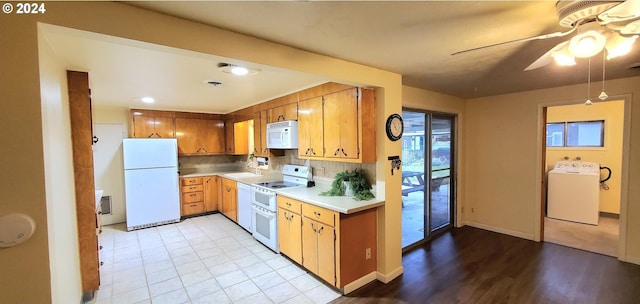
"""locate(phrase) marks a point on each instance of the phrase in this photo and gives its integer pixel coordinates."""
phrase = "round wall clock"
(395, 127)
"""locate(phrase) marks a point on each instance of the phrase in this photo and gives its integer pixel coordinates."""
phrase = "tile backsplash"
(325, 169)
(211, 163)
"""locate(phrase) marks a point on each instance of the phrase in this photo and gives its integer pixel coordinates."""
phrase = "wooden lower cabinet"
(229, 206)
(318, 250)
(199, 195)
(334, 246)
(290, 228)
(211, 185)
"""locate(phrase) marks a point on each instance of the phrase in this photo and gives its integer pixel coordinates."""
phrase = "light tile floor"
(207, 259)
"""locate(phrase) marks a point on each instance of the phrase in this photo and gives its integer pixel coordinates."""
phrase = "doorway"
(580, 135)
(428, 183)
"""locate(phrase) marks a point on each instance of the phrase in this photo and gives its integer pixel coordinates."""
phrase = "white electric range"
(264, 208)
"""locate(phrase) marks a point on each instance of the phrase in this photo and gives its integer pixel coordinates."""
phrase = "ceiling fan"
(610, 25)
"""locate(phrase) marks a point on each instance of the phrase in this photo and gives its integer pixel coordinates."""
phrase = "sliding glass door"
(427, 155)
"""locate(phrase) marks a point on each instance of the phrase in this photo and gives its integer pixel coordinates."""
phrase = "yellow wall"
(610, 155)
(26, 268)
(58, 165)
(414, 98)
(503, 160)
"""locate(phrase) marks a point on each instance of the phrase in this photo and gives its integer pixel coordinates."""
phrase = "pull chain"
(588, 102)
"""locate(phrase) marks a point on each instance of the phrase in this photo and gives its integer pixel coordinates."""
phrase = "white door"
(108, 169)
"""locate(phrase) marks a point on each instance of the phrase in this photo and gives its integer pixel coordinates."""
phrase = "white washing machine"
(574, 192)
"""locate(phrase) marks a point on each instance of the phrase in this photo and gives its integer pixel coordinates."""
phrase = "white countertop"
(342, 204)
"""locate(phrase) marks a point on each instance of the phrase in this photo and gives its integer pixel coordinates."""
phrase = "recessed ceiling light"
(147, 99)
(236, 69)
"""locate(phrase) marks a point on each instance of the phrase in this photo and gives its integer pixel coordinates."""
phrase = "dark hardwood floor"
(470, 265)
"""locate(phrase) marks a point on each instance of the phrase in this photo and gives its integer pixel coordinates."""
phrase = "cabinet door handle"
(336, 153)
(342, 150)
(158, 135)
(314, 152)
(194, 205)
(192, 194)
(288, 204)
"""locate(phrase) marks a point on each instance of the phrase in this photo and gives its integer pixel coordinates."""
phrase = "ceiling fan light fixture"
(587, 44)
(564, 58)
(619, 46)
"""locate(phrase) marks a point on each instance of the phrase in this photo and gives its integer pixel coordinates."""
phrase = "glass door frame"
(428, 233)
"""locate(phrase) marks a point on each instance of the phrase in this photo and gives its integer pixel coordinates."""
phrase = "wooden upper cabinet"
(338, 126)
(200, 136)
(241, 137)
(228, 135)
(341, 124)
(236, 137)
(152, 124)
(260, 134)
(284, 112)
(310, 133)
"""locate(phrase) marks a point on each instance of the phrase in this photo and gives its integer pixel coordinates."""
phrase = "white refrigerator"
(152, 194)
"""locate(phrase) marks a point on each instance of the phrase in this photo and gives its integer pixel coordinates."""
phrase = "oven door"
(264, 227)
(264, 199)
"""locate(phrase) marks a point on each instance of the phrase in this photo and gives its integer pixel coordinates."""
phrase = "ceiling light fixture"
(236, 69)
(618, 45)
(587, 44)
(147, 99)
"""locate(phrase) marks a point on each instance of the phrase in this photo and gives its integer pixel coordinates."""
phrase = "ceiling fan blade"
(632, 28)
(547, 57)
(546, 36)
(624, 11)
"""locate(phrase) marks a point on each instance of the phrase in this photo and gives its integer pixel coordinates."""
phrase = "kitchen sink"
(241, 175)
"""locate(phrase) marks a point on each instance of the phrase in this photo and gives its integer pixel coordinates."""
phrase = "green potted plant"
(351, 183)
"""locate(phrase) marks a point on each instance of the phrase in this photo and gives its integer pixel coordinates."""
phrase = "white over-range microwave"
(282, 135)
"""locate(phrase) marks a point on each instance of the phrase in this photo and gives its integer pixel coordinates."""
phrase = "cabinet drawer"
(320, 214)
(192, 181)
(289, 204)
(192, 197)
(192, 188)
(228, 183)
(192, 208)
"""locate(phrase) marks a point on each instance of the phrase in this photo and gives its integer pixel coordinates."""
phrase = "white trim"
(364, 280)
(501, 230)
(386, 278)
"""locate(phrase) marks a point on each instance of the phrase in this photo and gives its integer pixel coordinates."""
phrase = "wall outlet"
(367, 253)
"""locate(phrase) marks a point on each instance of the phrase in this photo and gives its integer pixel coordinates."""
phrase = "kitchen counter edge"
(342, 204)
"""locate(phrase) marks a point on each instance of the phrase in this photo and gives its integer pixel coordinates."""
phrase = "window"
(576, 134)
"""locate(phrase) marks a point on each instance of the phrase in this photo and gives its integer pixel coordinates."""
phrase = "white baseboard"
(386, 278)
(366, 279)
(501, 230)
